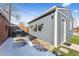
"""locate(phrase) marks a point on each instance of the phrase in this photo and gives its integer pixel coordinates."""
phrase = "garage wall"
(69, 32)
(47, 33)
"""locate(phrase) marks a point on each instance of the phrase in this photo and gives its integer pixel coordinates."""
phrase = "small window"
(52, 17)
(40, 27)
(35, 29)
(63, 20)
(6, 27)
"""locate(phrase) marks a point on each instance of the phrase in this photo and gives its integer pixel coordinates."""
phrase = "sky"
(29, 11)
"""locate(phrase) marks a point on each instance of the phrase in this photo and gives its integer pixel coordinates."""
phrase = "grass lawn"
(74, 39)
(70, 53)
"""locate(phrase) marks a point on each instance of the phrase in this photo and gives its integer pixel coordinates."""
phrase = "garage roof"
(49, 11)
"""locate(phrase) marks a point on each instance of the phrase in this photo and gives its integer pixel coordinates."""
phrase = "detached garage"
(54, 26)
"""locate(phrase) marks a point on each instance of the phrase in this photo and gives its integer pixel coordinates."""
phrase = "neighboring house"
(54, 26)
(22, 26)
(4, 27)
(76, 31)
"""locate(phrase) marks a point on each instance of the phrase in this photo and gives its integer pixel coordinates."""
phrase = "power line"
(25, 12)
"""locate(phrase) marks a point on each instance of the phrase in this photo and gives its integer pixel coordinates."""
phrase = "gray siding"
(47, 33)
(59, 28)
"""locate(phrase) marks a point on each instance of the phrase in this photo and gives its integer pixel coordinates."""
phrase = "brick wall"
(4, 28)
(76, 31)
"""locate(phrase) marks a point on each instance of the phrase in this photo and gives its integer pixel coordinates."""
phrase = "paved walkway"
(73, 46)
(64, 50)
(8, 48)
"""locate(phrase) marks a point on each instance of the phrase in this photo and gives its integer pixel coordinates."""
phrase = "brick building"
(4, 27)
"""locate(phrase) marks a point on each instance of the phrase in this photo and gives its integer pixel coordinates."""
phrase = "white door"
(63, 30)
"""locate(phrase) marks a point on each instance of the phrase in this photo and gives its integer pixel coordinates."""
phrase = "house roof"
(49, 11)
(5, 15)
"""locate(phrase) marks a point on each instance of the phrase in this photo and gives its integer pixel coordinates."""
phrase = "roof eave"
(46, 12)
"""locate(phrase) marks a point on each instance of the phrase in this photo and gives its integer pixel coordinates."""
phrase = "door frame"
(63, 39)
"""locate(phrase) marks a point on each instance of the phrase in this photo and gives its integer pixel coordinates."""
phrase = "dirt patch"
(43, 43)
